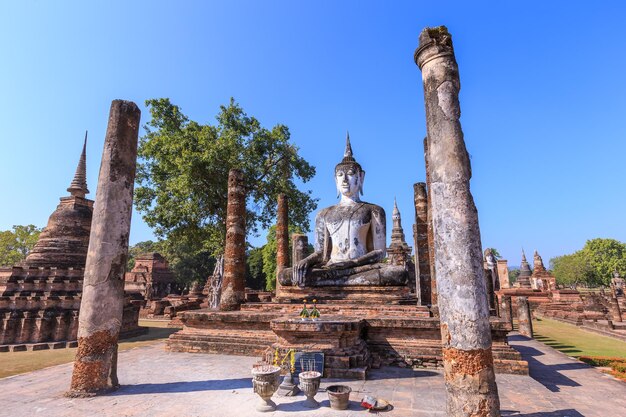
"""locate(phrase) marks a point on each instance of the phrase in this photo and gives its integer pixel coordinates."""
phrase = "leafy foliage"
(15, 244)
(605, 256)
(593, 265)
(183, 171)
(513, 274)
(572, 270)
(495, 253)
(255, 277)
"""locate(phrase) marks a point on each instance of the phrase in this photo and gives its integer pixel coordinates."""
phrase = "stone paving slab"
(160, 383)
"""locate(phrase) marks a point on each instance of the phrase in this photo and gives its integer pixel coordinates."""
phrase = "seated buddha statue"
(350, 239)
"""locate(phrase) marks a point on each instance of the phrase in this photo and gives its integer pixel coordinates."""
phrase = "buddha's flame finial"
(348, 152)
(78, 186)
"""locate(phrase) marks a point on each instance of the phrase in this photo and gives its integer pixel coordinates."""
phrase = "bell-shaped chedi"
(64, 241)
(523, 280)
(399, 251)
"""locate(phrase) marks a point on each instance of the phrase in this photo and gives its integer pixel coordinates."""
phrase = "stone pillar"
(299, 246)
(506, 309)
(503, 273)
(422, 250)
(429, 232)
(100, 320)
(524, 318)
(233, 283)
(282, 239)
(462, 298)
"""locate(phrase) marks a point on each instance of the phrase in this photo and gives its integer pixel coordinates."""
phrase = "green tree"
(572, 270)
(16, 244)
(513, 274)
(183, 171)
(255, 277)
(605, 256)
(495, 253)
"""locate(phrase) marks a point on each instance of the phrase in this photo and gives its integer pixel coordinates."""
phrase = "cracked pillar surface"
(282, 239)
(233, 283)
(524, 318)
(462, 299)
(100, 320)
(420, 236)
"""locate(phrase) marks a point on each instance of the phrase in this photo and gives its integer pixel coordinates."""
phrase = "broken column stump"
(100, 320)
(506, 309)
(524, 318)
(461, 290)
(233, 283)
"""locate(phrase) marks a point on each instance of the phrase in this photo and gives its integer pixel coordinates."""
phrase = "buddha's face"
(349, 181)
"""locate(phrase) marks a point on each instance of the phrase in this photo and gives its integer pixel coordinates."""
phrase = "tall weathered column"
(282, 239)
(524, 318)
(420, 237)
(234, 281)
(464, 313)
(95, 367)
(429, 232)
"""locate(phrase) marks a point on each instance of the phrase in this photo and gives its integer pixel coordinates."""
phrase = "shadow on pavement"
(389, 372)
(547, 375)
(184, 386)
(558, 413)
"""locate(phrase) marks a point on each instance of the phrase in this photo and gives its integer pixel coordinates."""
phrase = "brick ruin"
(600, 312)
(362, 326)
(40, 298)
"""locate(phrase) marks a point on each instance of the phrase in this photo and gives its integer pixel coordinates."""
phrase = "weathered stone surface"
(95, 368)
(462, 297)
(233, 283)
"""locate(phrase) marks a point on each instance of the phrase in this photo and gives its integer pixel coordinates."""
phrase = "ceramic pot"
(265, 381)
(309, 384)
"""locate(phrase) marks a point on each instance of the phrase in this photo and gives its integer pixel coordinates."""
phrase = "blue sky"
(543, 99)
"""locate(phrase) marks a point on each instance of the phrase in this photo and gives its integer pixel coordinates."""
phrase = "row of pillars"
(456, 247)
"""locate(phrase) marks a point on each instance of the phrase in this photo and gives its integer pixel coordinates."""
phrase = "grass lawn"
(575, 342)
(13, 363)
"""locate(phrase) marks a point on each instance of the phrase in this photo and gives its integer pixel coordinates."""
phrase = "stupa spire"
(347, 154)
(78, 187)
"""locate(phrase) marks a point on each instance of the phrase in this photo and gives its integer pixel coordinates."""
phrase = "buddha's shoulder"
(374, 208)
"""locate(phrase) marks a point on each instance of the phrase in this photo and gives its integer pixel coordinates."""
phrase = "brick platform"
(399, 335)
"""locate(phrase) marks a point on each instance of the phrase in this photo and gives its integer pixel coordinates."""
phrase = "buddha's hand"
(299, 272)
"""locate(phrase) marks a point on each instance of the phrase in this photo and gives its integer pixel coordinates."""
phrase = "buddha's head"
(349, 175)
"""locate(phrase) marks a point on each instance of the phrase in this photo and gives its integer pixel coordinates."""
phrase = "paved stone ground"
(159, 383)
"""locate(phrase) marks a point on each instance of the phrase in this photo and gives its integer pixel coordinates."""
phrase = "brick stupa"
(40, 297)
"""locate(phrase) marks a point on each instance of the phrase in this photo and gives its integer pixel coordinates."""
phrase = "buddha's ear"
(338, 190)
(362, 180)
